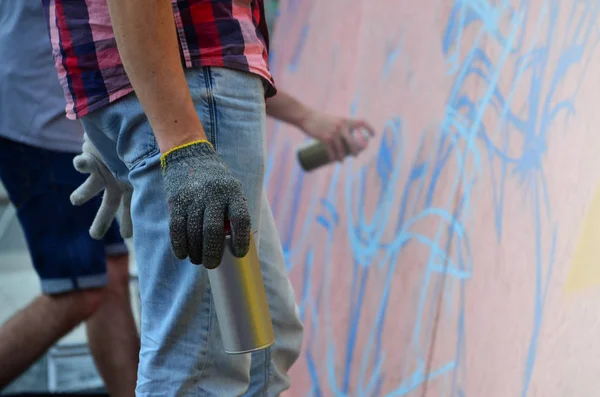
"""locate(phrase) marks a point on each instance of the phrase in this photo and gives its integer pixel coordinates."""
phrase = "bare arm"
(334, 132)
(147, 42)
(288, 109)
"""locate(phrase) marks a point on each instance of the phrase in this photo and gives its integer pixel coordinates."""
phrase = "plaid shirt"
(223, 33)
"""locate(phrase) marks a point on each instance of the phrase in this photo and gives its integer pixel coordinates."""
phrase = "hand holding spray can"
(241, 301)
(315, 155)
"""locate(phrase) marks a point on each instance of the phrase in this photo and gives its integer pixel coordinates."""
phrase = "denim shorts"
(39, 183)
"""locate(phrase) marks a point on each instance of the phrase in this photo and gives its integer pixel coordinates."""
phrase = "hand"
(338, 134)
(201, 192)
(115, 192)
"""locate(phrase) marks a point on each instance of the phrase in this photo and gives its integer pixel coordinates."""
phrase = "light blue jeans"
(181, 350)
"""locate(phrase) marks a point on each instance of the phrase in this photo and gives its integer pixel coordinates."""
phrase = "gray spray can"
(314, 154)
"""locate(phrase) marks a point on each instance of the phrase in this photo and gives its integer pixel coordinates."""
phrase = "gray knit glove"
(202, 193)
(101, 179)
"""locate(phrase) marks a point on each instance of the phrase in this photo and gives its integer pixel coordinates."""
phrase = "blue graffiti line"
(438, 175)
(390, 61)
(391, 58)
(295, 62)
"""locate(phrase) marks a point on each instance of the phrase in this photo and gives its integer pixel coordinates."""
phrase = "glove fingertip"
(180, 255)
(96, 234)
(81, 164)
(179, 250)
(240, 245)
(76, 199)
(213, 255)
(241, 227)
(211, 265)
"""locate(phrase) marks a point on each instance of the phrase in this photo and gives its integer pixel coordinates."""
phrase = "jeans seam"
(267, 371)
(212, 107)
(209, 327)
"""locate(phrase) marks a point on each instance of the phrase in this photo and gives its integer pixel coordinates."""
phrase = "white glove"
(115, 191)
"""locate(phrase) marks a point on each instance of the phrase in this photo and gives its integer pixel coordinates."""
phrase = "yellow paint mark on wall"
(585, 266)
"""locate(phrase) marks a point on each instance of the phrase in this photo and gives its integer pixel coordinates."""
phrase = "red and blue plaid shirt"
(227, 33)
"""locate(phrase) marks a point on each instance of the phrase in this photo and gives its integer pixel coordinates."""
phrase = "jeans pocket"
(240, 121)
(125, 124)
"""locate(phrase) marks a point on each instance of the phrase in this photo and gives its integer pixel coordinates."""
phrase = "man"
(82, 279)
(172, 94)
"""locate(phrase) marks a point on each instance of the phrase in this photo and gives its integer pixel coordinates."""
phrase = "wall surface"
(459, 255)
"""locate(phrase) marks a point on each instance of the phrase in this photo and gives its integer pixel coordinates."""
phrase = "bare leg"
(32, 331)
(112, 334)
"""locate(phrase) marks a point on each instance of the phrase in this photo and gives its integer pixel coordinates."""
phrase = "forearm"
(288, 109)
(147, 43)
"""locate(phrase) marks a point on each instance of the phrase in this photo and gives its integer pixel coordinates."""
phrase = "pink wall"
(457, 256)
